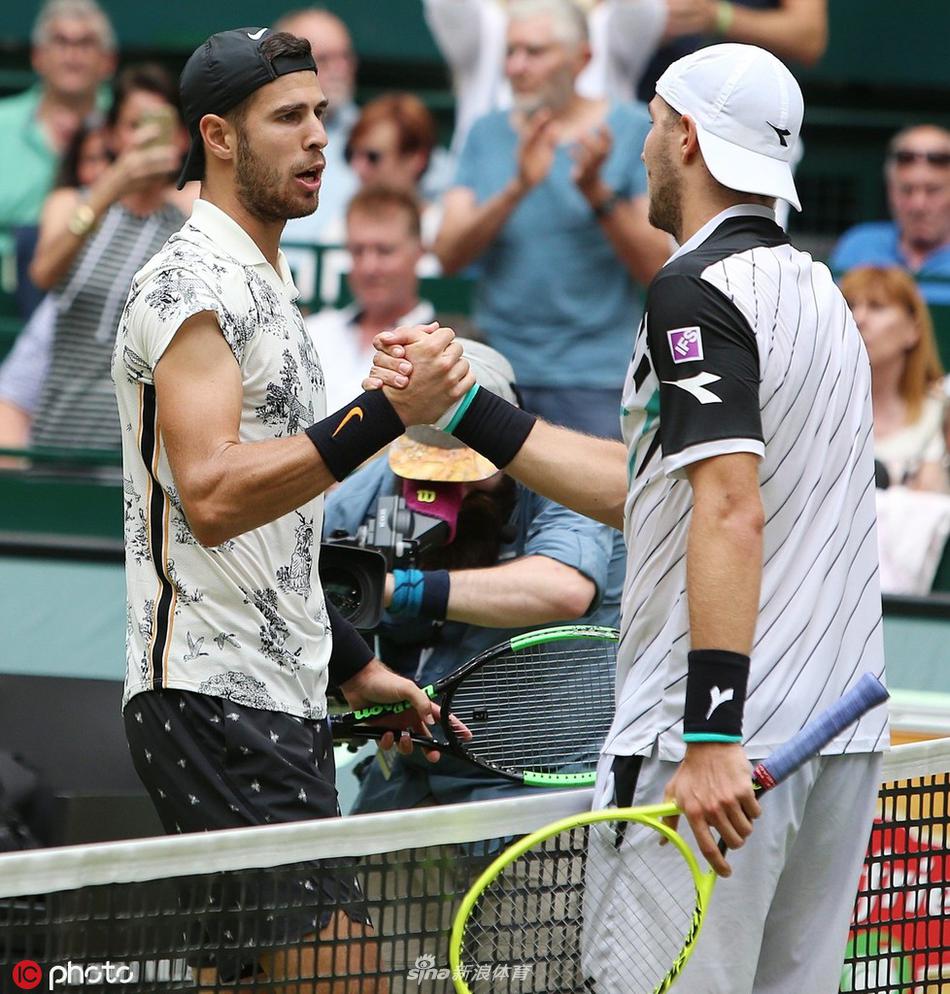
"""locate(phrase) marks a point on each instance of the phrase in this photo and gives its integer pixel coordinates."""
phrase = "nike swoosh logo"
(256, 35)
(353, 412)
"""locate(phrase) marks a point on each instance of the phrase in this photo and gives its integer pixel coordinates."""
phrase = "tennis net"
(233, 911)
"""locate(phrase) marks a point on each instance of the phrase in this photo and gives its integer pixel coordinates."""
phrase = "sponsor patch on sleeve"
(686, 344)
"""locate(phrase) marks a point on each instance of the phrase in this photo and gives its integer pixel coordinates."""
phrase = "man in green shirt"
(73, 55)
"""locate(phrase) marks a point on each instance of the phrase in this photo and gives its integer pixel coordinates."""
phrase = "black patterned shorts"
(210, 764)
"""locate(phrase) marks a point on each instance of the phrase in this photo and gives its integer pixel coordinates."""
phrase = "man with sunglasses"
(917, 170)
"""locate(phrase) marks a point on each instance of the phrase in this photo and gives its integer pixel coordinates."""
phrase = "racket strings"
(546, 708)
(577, 909)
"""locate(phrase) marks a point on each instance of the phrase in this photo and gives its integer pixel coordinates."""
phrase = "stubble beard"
(666, 199)
(259, 187)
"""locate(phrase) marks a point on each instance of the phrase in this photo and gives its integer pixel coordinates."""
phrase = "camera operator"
(513, 561)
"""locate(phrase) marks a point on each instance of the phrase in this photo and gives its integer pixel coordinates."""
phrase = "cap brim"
(748, 172)
(194, 166)
(414, 460)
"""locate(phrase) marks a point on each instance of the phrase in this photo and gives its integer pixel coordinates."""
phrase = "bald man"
(336, 61)
(917, 171)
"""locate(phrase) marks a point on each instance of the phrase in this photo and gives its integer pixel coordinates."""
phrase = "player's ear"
(220, 137)
(688, 138)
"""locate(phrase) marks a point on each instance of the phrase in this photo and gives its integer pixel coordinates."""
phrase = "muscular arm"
(227, 487)
(724, 552)
(586, 474)
(797, 30)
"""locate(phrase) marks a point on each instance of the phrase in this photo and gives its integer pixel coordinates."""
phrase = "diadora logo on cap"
(782, 133)
(257, 35)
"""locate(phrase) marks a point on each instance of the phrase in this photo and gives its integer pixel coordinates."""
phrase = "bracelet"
(356, 432)
(420, 593)
(491, 426)
(82, 220)
(724, 15)
(715, 696)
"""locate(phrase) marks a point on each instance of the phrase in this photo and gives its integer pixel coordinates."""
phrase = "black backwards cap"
(228, 67)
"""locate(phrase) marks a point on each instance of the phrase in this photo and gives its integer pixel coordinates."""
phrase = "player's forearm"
(461, 242)
(586, 474)
(724, 573)
(791, 33)
(245, 485)
(533, 590)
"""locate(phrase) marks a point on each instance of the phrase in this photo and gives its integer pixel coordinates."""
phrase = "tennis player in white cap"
(751, 599)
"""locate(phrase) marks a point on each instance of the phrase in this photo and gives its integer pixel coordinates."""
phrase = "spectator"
(917, 171)
(471, 34)
(92, 242)
(794, 30)
(73, 54)
(906, 375)
(23, 371)
(550, 201)
(393, 143)
(337, 63)
(384, 242)
(515, 561)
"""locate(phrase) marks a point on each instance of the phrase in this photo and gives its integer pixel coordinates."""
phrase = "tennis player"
(227, 451)
(751, 599)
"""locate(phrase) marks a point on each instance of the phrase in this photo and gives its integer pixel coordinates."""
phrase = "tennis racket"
(539, 706)
(542, 910)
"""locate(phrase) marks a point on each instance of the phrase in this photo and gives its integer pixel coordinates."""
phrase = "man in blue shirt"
(550, 202)
(515, 561)
(918, 189)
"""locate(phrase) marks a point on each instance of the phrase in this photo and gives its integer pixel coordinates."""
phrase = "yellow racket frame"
(650, 815)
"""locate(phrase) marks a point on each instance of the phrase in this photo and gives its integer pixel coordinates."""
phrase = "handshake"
(426, 373)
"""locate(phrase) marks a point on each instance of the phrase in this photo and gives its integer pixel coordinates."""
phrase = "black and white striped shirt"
(748, 346)
(77, 408)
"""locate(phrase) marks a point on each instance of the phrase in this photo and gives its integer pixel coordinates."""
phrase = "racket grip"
(375, 710)
(867, 693)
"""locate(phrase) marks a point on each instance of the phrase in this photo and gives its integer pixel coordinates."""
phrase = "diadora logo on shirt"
(686, 344)
(696, 385)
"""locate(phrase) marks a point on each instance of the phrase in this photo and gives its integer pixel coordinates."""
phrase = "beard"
(480, 531)
(554, 96)
(260, 187)
(666, 197)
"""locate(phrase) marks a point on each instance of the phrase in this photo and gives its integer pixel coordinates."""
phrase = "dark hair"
(67, 175)
(274, 46)
(375, 200)
(414, 123)
(144, 77)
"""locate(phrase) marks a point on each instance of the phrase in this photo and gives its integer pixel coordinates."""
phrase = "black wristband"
(350, 653)
(356, 432)
(435, 594)
(715, 696)
(494, 427)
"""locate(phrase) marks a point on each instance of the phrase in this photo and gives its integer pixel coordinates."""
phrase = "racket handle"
(866, 694)
(375, 710)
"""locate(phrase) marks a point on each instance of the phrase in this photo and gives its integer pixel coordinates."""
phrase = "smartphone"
(165, 118)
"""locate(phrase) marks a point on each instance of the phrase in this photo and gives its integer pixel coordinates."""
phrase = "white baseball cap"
(748, 111)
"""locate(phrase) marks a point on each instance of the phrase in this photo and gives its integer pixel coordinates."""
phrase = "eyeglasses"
(905, 156)
(372, 155)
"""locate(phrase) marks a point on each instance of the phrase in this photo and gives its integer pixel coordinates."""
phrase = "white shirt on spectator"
(346, 359)
(471, 36)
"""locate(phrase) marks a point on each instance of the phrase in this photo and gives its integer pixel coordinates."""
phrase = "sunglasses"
(371, 155)
(905, 156)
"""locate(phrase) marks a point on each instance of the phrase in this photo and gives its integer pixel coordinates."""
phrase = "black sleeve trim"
(350, 653)
(706, 359)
